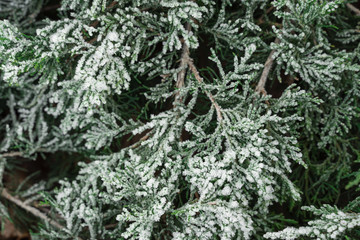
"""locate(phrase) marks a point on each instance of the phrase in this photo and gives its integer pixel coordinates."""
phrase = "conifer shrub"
(180, 119)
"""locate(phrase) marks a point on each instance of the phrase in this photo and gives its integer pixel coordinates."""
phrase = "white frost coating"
(113, 36)
(230, 171)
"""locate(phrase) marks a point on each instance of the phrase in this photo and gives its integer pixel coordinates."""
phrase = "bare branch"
(138, 143)
(353, 8)
(11, 154)
(50, 8)
(200, 80)
(32, 210)
(113, 225)
(186, 61)
(260, 88)
(112, 4)
(183, 66)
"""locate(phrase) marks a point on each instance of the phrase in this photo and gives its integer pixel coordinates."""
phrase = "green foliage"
(159, 106)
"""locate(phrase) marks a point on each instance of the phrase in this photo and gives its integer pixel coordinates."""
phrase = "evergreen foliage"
(182, 119)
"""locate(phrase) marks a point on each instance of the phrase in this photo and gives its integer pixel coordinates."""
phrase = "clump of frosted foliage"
(332, 223)
(186, 119)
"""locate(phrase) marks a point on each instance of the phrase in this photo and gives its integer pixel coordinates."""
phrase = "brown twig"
(183, 66)
(261, 19)
(187, 61)
(32, 210)
(50, 8)
(353, 8)
(210, 96)
(113, 225)
(260, 88)
(197, 196)
(11, 154)
(138, 143)
(112, 4)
